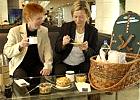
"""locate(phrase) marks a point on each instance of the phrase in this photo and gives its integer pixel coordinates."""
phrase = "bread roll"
(63, 81)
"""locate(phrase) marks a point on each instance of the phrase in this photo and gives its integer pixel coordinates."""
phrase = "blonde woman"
(29, 59)
(77, 42)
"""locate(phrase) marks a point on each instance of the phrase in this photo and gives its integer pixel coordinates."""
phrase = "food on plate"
(76, 43)
(63, 81)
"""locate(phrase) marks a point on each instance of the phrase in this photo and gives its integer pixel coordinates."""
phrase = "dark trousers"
(61, 68)
(21, 73)
(27, 72)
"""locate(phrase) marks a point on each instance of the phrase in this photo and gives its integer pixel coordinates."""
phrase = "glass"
(45, 88)
(8, 91)
(70, 75)
(3, 60)
(81, 77)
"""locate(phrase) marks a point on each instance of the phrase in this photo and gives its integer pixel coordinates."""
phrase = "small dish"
(76, 44)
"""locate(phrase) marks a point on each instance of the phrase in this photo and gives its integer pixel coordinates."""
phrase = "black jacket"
(91, 35)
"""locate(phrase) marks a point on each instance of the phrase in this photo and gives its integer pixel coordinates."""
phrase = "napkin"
(83, 87)
(116, 57)
(21, 82)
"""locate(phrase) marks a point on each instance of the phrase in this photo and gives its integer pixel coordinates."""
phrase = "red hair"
(32, 9)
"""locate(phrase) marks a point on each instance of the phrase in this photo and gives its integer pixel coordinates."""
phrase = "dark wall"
(3, 39)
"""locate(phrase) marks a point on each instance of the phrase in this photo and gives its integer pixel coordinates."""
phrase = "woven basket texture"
(113, 76)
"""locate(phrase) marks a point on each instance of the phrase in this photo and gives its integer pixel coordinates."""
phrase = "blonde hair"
(81, 5)
(32, 9)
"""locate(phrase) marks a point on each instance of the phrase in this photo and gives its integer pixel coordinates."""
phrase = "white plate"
(63, 88)
(76, 43)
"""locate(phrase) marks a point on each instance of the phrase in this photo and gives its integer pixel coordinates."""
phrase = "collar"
(23, 30)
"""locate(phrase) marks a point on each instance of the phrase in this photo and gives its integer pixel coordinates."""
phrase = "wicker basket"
(112, 76)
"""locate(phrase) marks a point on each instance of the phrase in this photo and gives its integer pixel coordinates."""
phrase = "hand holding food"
(66, 40)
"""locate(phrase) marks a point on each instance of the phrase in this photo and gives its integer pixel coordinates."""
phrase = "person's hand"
(84, 46)
(66, 40)
(45, 72)
(24, 43)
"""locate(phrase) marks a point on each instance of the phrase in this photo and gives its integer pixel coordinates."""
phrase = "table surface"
(22, 92)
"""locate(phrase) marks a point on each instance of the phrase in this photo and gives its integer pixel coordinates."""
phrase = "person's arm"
(63, 40)
(92, 44)
(12, 47)
(48, 56)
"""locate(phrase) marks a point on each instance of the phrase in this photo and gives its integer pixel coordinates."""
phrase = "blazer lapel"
(73, 30)
(39, 36)
(23, 31)
(86, 33)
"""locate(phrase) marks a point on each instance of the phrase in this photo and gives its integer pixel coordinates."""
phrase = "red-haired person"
(28, 45)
